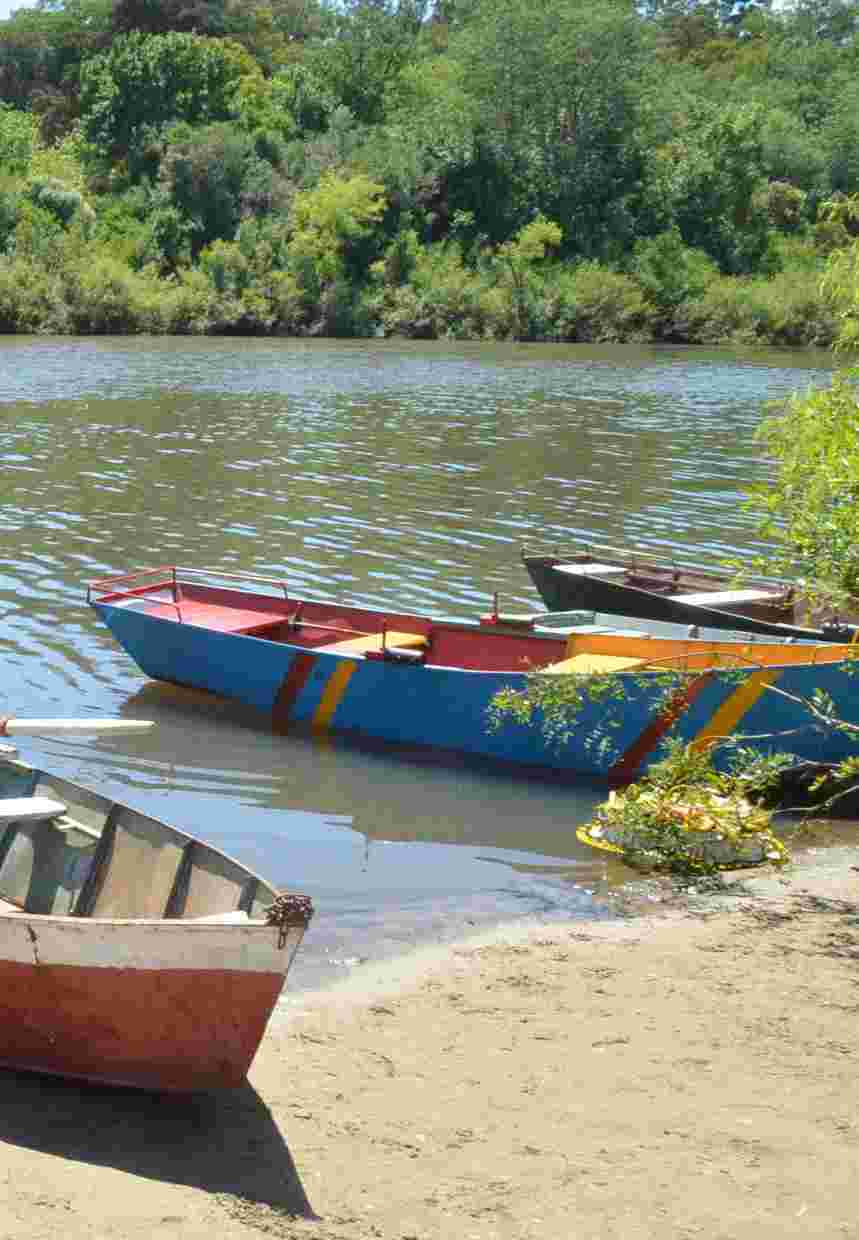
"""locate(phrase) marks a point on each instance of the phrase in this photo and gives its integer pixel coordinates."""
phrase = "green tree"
(333, 226)
(670, 272)
(41, 53)
(374, 40)
(557, 85)
(148, 81)
(276, 32)
(292, 104)
(161, 16)
(810, 509)
(839, 142)
(519, 260)
(816, 21)
(213, 176)
(708, 180)
(17, 140)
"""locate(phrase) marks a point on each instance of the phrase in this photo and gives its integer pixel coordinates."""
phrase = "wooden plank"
(223, 619)
(728, 598)
(589, 570)
(373, 641)
(592, 664)
(29, 809)
(41, 727)
(88, 808)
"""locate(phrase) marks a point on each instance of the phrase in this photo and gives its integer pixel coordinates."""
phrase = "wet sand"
(688, 1072)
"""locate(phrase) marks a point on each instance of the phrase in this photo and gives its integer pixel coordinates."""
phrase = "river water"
(404, 475)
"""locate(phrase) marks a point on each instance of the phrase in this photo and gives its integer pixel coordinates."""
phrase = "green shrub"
(8, 217)
(18, 139)
(442, 298)
(31, 298)
(670, 273)
(784, 205)
(54, 196)
(787, 309)
(724, 313)
(798, 313)
(100, 293)
(594, 303)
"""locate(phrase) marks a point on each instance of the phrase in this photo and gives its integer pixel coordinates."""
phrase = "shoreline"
(688, 1071)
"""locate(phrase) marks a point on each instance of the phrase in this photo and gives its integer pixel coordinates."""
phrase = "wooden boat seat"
(593, 664)
(43, 809)
(222, 619)
(83, 811)
(72, 827)
(238, 916)
(372, 642)
(729, 598)
(29, 809)
(590, 570)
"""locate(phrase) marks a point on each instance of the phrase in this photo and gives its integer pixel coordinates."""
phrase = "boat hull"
(159, 1006)
(445, 709)
(583, 592)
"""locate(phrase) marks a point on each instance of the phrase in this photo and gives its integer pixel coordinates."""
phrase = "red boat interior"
(498, 642)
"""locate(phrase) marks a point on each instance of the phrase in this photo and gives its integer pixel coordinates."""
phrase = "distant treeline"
(475, 169)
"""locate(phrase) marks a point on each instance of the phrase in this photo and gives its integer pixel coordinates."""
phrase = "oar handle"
(38, 727)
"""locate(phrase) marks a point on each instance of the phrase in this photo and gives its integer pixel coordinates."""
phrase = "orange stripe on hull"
(626, 766)
(179, 1030)
(733, 708)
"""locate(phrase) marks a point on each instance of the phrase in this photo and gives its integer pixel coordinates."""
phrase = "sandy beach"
(685, 1072)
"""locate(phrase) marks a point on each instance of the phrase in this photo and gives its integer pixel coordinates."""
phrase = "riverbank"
(688, 1073)
(87, 293)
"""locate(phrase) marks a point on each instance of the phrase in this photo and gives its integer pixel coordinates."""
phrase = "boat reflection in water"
(394, 853)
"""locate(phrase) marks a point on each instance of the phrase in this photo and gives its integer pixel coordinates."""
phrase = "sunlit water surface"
(391, 474)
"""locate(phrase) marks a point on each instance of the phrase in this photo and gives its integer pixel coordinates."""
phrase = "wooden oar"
(39, 727)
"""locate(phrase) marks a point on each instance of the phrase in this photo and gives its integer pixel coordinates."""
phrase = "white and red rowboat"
(130, 952)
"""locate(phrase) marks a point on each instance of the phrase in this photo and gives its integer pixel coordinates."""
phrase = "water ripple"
(391, 474)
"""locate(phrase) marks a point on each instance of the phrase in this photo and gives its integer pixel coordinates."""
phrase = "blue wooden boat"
(421, 682)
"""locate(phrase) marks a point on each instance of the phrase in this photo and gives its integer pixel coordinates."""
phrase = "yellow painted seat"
(593, 664)
(373, 642)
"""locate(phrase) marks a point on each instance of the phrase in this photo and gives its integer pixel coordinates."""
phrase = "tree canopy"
(691, 156)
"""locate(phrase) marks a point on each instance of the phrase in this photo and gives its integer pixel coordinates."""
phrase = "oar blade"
(90, 727)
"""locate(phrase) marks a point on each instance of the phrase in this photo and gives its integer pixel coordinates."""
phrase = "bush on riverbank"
(89, 290)
(83, 254)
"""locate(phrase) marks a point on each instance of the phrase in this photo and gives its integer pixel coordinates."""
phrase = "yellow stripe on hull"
(734, 707)
(333, 694)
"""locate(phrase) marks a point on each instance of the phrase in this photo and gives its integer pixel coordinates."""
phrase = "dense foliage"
(468, 168)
